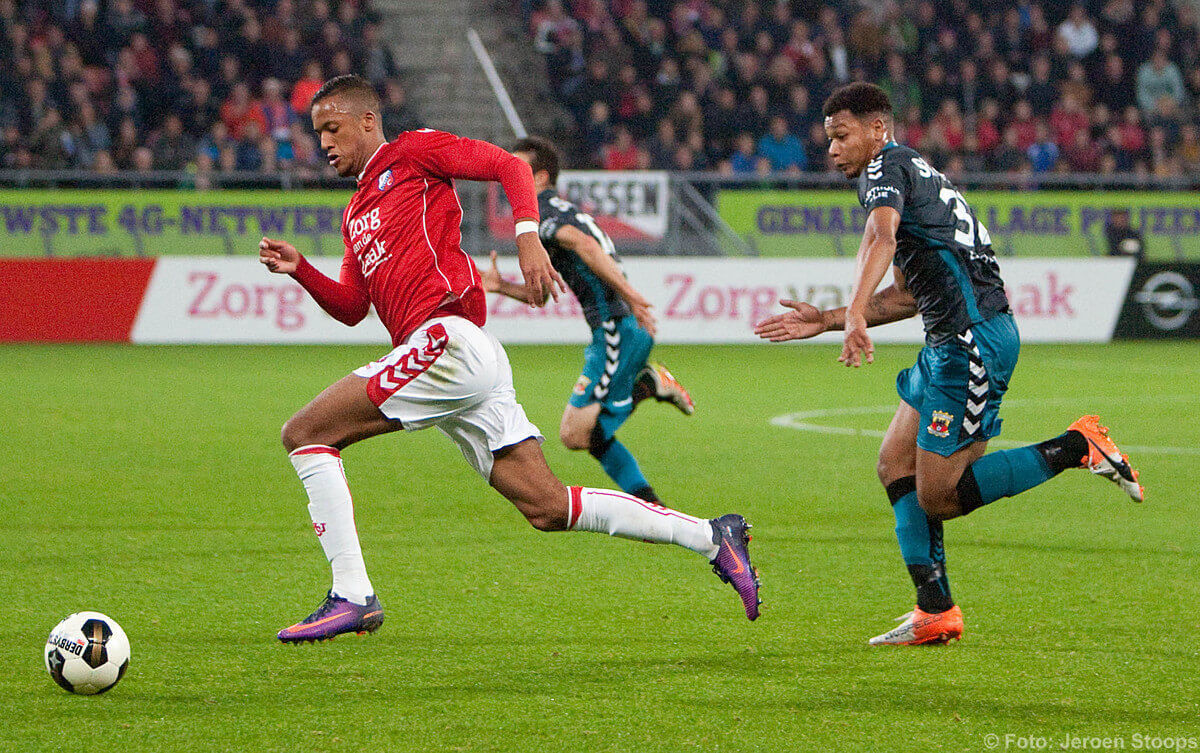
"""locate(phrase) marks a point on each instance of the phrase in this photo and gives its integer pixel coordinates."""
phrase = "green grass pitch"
(149, 483)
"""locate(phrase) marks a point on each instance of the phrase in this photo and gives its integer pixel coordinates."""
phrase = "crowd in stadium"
(199, 85)
(729, 85)
(737, 86)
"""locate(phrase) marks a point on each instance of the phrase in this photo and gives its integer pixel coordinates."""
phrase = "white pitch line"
(801, 421)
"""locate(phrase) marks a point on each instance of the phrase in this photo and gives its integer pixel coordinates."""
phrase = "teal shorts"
(611, 363)
(957, 386)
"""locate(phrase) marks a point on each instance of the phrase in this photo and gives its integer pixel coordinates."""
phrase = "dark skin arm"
(891, 304)
(586, 247)
(494, 283)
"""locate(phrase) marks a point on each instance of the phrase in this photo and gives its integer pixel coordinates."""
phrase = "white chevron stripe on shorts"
(612, 358)
(977, 386)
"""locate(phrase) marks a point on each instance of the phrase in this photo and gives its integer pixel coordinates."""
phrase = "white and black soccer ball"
(87, 653)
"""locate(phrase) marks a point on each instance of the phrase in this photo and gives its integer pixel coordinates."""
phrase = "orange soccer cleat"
(665, 388)
(922, 628)
(1105, 459)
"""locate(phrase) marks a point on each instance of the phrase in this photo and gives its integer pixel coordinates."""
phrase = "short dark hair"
(861, 99)
(545, 156)
(350, 84)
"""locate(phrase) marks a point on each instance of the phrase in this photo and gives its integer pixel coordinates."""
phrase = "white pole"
(489, 70)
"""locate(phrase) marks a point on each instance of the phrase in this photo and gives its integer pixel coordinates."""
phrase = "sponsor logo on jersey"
(386, 180)
(939, 424)
(581, 385)
(878, 193)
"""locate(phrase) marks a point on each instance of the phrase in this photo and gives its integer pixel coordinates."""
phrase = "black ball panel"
(56, 662)
(97, 633)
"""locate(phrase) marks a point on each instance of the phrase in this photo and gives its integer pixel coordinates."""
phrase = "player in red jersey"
(404, 255)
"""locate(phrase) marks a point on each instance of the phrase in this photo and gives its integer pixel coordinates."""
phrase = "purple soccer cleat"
(334, 617)
(732, 563)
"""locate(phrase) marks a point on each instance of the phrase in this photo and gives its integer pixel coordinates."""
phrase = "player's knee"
(292, 435)
(546, 518)
(297, 433)
(939, 503)
(572, 438)
(890, 468)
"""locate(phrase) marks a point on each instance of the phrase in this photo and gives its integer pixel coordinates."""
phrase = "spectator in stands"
(1189, 147)
(1158, 77)
(1078, 32)
(249, 150)
(597, 131)
(240, 110)
(1113, 88)
(781, 149)
(125, 144)
(143, 160)
(397, 115)
(744, 160)
(199, 111)
(1043, 152)
(1067, 120)
(623, 153)
(306, 87)
(277, 113)
(172, 148)
(375, 58)
(1024, 125)
(88, 135)
(50, 141)
(1083, 155)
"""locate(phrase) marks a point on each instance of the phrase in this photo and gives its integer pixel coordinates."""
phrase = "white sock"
(332, 511)
(620, 514)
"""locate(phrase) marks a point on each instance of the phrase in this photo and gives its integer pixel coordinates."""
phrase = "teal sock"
(618, 462)
(921, 546)
(1002, 474)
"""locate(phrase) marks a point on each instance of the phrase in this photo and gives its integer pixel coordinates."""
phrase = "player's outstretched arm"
(802, 322)
(891, 304)
(588, 249)
(346, 300)
(494, 283)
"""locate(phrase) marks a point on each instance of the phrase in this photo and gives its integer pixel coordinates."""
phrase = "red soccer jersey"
(402, 233)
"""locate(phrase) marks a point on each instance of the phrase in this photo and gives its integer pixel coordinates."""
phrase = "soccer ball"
(87, 653)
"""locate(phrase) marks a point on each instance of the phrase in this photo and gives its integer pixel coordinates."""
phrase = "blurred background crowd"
(202, 85)
(736, 86)
(1027, 86)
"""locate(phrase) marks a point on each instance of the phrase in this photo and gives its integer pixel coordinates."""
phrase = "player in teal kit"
(616, 375)
(932, 461)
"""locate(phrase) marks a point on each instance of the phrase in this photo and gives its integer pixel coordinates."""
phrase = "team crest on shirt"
(582, 385)
(939, 425)
(386, 180)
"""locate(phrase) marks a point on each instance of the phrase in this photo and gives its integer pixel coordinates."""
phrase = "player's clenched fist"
(278, 256)
(541, 279)
(802, 322)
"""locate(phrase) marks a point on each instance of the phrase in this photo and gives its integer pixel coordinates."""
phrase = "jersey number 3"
(964, 234)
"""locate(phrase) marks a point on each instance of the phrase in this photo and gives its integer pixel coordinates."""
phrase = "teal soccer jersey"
(942, 249)
(971, 340)
(600, 302)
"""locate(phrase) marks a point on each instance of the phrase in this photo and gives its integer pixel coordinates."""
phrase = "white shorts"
(452, 375)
